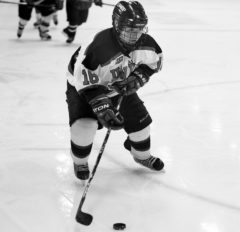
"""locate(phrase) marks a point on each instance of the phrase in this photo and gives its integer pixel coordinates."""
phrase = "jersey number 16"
(89, 77)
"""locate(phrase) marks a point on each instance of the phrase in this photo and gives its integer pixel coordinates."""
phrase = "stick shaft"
(42, 5)
(15, 3)
(94, 169)
(106, 4)
(97, 162)
(24, 3)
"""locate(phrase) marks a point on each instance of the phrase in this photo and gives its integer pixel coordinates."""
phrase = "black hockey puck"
(119, 226)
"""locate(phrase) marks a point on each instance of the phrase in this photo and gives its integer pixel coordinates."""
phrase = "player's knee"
(83, 131)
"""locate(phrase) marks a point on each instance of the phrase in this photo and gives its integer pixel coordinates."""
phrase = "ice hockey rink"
(194, 102)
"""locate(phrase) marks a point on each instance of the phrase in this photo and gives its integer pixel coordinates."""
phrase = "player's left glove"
(98, 2)
(131, 84)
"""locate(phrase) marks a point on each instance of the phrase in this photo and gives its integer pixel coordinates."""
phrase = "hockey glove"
(130, 85)
(98, 2)
(106, 113)
(138, 78)
(59, 4)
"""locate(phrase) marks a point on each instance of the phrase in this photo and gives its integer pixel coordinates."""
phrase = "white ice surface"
(194, 102)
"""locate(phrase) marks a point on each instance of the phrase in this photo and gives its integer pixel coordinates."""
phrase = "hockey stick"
(108, 4)
(85, 218)
(25, 4)
(103, 3)
(42, 5)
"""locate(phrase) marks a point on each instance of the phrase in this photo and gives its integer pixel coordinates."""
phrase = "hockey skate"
(44, 34)
(152, 162)
(81, 171)
(70, 34)
(20, 30)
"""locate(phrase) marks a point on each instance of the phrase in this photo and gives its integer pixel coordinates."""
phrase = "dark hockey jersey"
(104, 61)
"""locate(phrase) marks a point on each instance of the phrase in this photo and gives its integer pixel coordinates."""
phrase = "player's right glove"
(106, 113)
(128, 86)
(59, 4)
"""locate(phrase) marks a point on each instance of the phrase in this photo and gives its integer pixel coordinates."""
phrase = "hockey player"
(77, 14)
(45, 7)
(118, 62)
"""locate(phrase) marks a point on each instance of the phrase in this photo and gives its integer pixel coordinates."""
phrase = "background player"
(45, 7)
(77, 13)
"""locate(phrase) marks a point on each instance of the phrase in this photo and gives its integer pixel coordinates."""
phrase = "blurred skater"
(77, 14)
(45, 9)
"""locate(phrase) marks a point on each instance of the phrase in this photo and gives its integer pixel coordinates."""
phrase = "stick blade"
(84, 218)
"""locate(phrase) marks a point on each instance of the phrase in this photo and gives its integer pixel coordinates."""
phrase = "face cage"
(130, 35)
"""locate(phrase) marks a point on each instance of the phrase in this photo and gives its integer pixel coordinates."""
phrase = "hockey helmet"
(129, 22)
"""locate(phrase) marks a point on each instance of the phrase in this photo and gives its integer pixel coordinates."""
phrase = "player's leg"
(138, 143)
(47, 15)
(44, 28)
(83, 126)
(72, 15)
(38, 18)
(137, 126)
(82, 134)
(24, 13)
(77, 13)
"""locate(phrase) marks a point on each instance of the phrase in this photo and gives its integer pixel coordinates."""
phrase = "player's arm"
(150, 62)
